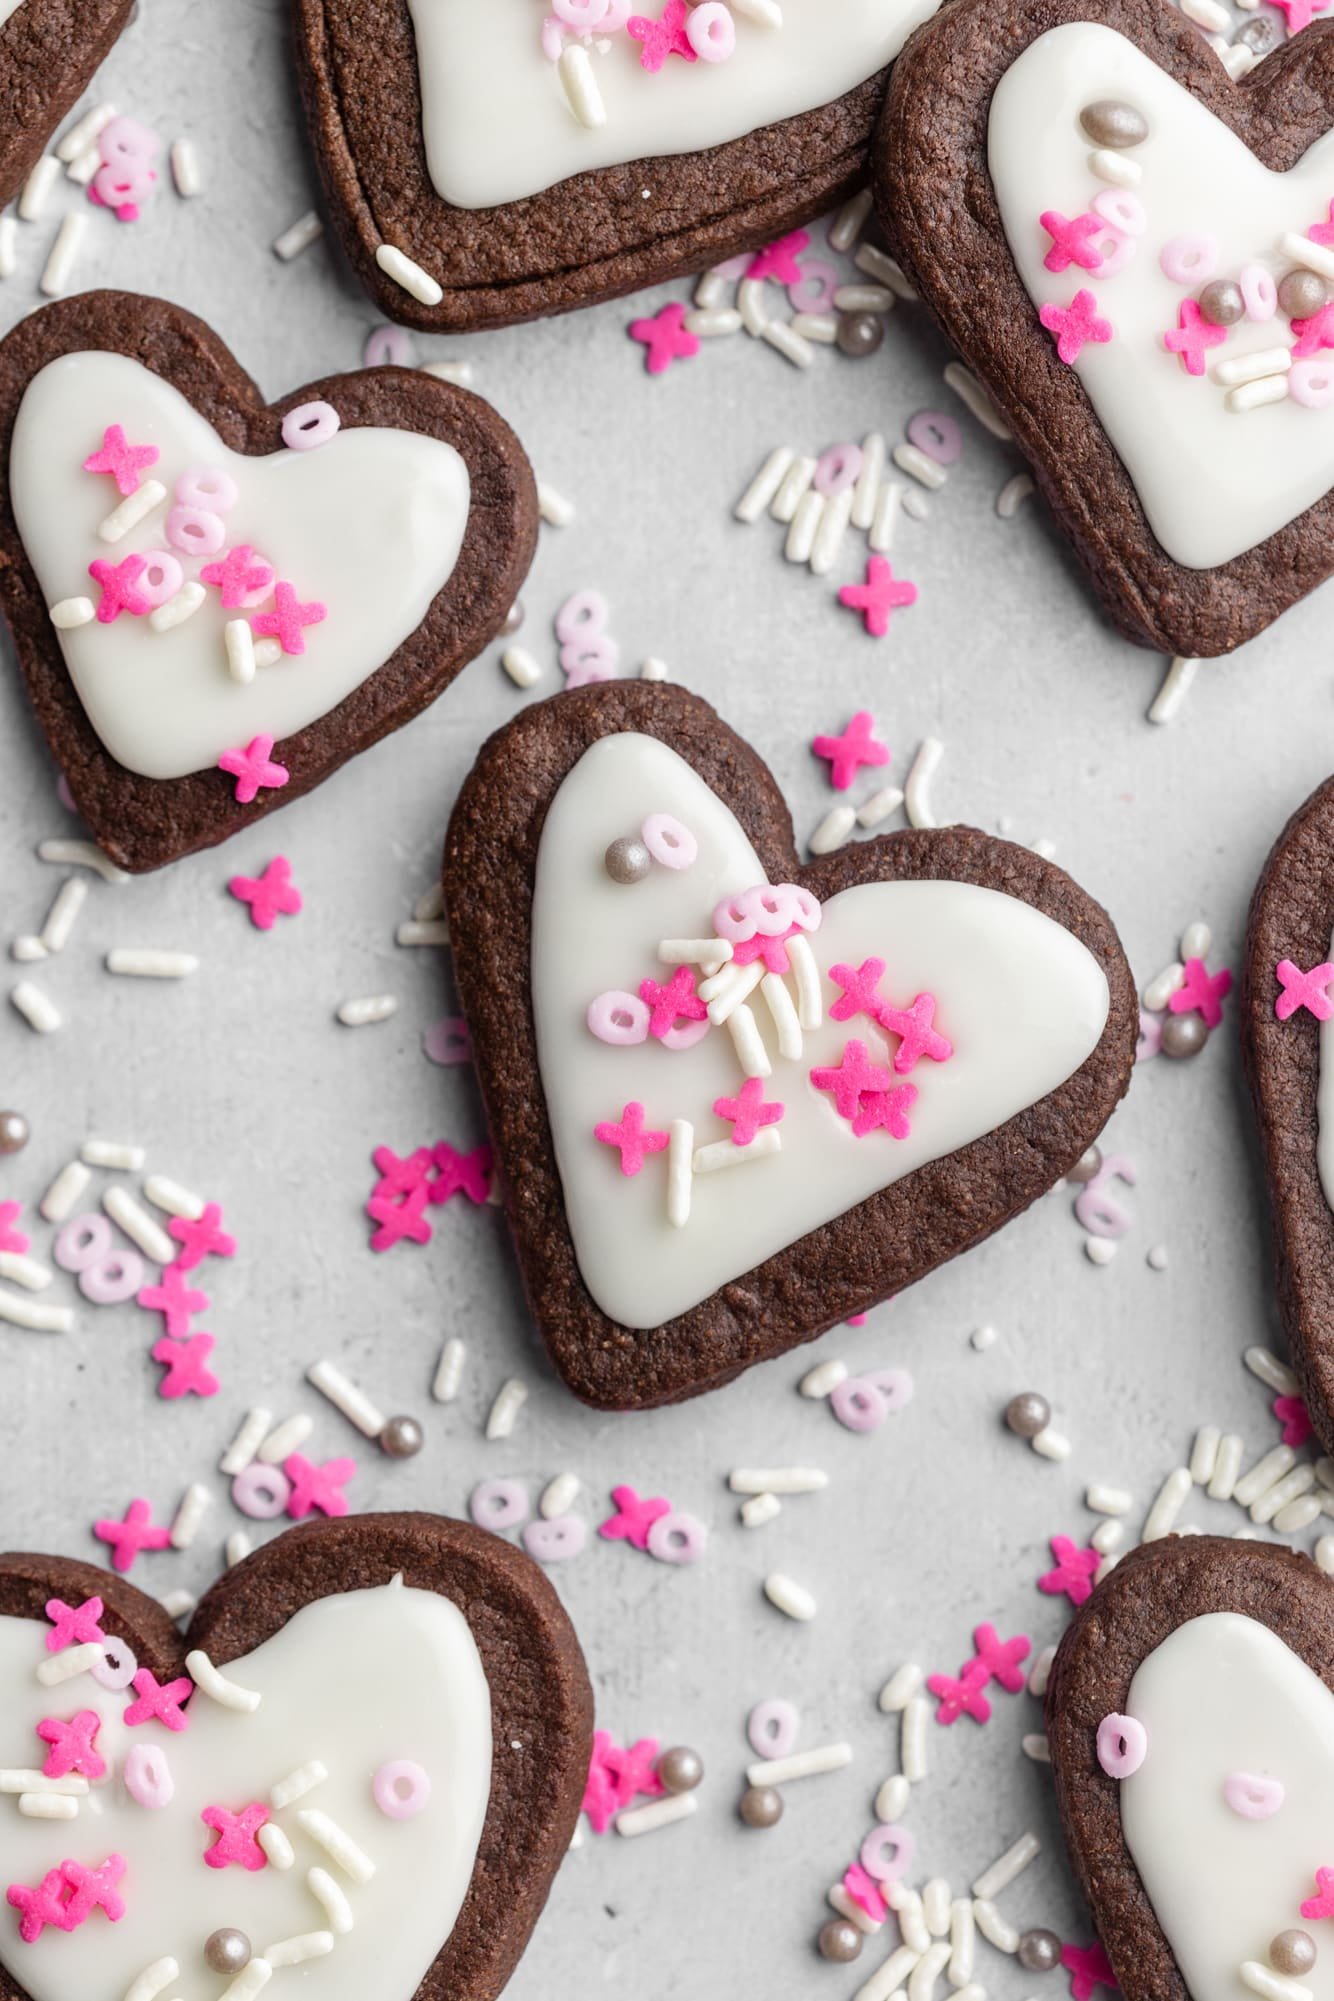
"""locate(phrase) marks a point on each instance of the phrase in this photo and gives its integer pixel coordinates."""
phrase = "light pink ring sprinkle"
(261, 1491)
(711, 32)
(936, 433)
(771, 1728)
(886, 1852)
(387, 344)
(837, 469)
(555, 1540)
(1251, 1797)
(1189, 259)
(207, 486)
(1259, 293)
(196, 531)
(113, 1279)
(582, 615)
(309, 426)
(581, 15)
(1122, 1744)
(81, 1242)
(858, 1404)
(498, 1504)
(1311, 382)
(117, 1667)
(401, 1789)
(813, 291)
(147, 1776)
(619, 1018)
(1115, 250)
(669, 842)
(160, 578)
(1124, 210)
(677, 1537)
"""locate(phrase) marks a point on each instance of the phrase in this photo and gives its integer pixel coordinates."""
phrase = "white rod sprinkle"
(1263, 1474)
(848, 223)
(295, 1951)
(236, 1548)
(22, 1779)
(276, 1846)
(724, 1153)
(23, 1270)
(1261, 1979)
(833, 830)
(36, 190)
(801, 1765)
(253, 1430)
(81, 854)
(1104, 1501)
(879, 806)
(68, 902)
(48, 1806)
(298, 236)
(112, 1153)
(35, 1318)
(329, 1896)
(68, 614)
(995, 1929)
(523, 667)
(1227, 1466)
(153, 1980)
(68, 1663)
(373, 1008)
(146, 962)
(419, 284)
(286, 1438)
(971, 393)
(1175, 687)
(658, 1813)
(887, 1980)
(901, 1687)
(434, 933)
(228, 1694)
(917, 789)
(297, 1784)
(554, 508)
(760, 494)
(680, 1171)
(131, 1217)
(891, 1802)
(792, 489)
(1013, 493)
(1007, 1866)
(83, 132)
(824, 1378)
(777, 1480)
(195, 1503)
(1275, 1374)
(912, 1739)
(337, 1844)
(345, 1396)
(60, 1198)
(172, 1199)
(185, 168)
(759, 1509)
(135, 507)
(449, 1370)
(176, 610)
(56, 275)
(558, 1496)
(40, 1012)
(510, 1400)
(1204, 1455)
(867, 489)
(919, 467)
(785, 1595)
(1171, 1498)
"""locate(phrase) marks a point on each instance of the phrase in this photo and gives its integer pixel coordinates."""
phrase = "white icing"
(352, 1680)
(498, 127)
(1022, 1000)
(1221, 1695)
(1213, 482)
(370, 524)
(8, 7)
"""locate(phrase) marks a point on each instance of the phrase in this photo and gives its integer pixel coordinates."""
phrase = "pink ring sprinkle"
(1189, 259)
(619, 1018)
(837, 469)
(936, 433)
(208, 487)
(581, 15)
(1311, 382)
(1122, 1744)
(669, 842)
(552, 1542)
(498, 1504)
(771, 1728)
(1124, 210)
(711, 32)
(160, 578)
(813, 291)
(1150, 1037)
(447, 1041)
(1115, 250)
(581, 616)
(1259, 293)
(113, 1279)
(886, 1852)
(83, 1241)
(261, 1491)
(858, 1404)
(196, 531)
(309, 426)
(677, 1537)
(391, 345)
(117, 1667)
(147, 1776)
(401, 1789)
(1253, 1798)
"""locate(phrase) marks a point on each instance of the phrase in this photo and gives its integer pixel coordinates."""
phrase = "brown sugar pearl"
(1292, 1952)
(1039, 1950)
(859, 334)
(1110, 122)
(401, 1438)
(627, 860)
(761, 1806)
(13, 1132)
(1221, 303)
(1184, 1035)
(1028, 1414)
(1087, 1166)
(680, 1769)
(1301, 294)
(227, 1950)
(839, 1940)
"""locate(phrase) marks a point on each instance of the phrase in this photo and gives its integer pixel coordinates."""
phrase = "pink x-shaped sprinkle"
(400, 1218)
(94, 1889)
(200, 1237)
(859, 995)
(400, 1176)
(886, 1111)
(631, 1137)
(1295, 1418)
(11, 1239)
(253, 769)
(864, 1890)
(317, 1486)
(676, 1001)
(184, 1361)
(853, 1077)
(633, 1518)
(238, 574)
(118, 582)
(159, 1702)
(270, 895)
(919, 1039)
(287, 621)
(1075, 325)
(73, 1625)
(881, 594)
(747, 1111)
(1300, 14)
(1001, 1658)
(661, 38)
(666, 339)
(175, 1299)
(1308, 990)
(236, 1843)
(1321, 1905)
(123, 461)
(1202, 992)
(47, 1904)
(135, 1532)
(1088, 1968)
(73, 1746)
(1314, 333)
(599, 1801)
(778, 260)
(1074, 1572)
(773, 951)
(1070, 240)
(846, 754)
(459, 1173)
(630, 1768)
(1193, 336)
(961, 1697)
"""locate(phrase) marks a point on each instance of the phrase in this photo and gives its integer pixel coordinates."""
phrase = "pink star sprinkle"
(1075, 326)
(1315, 332)
(676, 1001)
(73, 1625)
(778, 260)
(963, 1697)
(175, 1300)
(1193, 336)
(1001, 1658)
(117, 581)
(1308, 990)
(238, 574)
(200, 1237)
(661, 38)
(747, 1112)
(72, 1746)
(1202, 992)
(854, 1077)
(48, 1904)
(123, 461)
(1088, 1968)
(317, 1486)
(881, 594)
(401, 1218)
(918, 1038)
(287, 621)
(633, 1518)
(236, 1833)
(126, 1538)
(11, 1238)
(887, 1111)
(1074, 1572)
(159, 1702)
(184, 1362)
(631, 1138)
(270, 895)
(666, 339)
(1295, 1418)
(253, 769)
(846, 754)
(1321, 1905)
(1070, 240)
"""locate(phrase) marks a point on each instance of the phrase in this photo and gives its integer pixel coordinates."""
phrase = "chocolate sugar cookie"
(49, 51)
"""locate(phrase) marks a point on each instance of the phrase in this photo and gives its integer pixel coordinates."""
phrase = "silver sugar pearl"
(1087, 1166)
(401, 1438)
(1301, 294)
(1221, 303)
(859, 334)
(227, 1950)
(1184, 1035)
(1260, 35)
(1039, 1950)
(680, 1769)
(13, 1132)
(1111, 122)
(839, 1941)
(761, 1806)
(1028, 1414)
(627, 860)
(1292, 1952)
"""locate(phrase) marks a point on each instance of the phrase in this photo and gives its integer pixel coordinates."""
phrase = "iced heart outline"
(63, 42)
(934, 194)
(143, 823)
(515, 1618)
(839, 1269)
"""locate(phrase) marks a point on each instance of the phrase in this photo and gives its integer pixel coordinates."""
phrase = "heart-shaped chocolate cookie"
(1135, 254)
(522, 168)
(1288, 1043)
(217, 602)
(49, 51)
(366, 1756)
(1190, 1716)
(735, 1100)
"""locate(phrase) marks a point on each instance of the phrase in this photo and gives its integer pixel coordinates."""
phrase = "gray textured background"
(240, 1083)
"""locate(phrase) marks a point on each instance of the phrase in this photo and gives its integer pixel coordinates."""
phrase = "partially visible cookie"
(49, 50)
